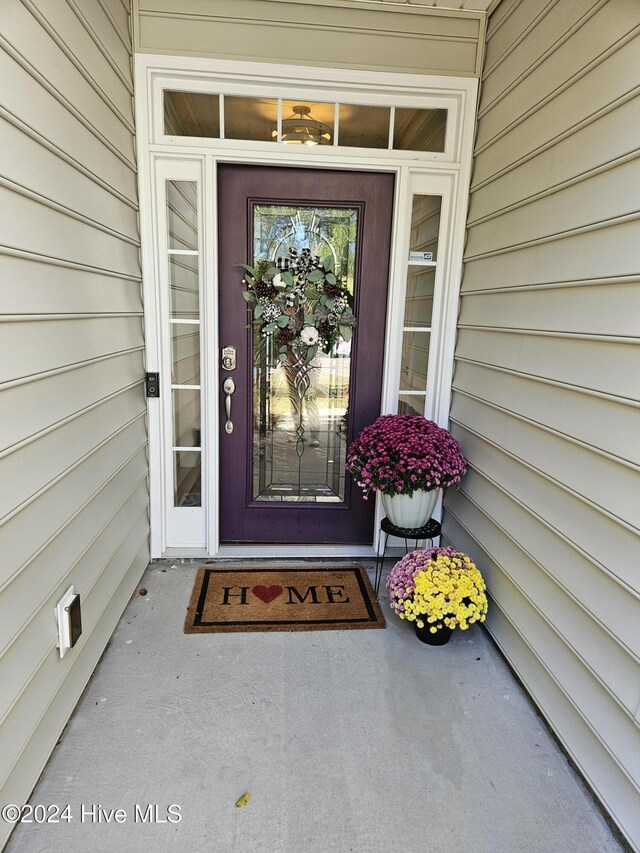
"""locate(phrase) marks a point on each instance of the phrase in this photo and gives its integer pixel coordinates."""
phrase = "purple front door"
(282, 476)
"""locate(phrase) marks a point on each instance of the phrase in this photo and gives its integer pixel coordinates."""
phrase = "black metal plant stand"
(428, 531)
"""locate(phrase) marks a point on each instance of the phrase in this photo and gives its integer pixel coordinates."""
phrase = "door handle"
(228, 386)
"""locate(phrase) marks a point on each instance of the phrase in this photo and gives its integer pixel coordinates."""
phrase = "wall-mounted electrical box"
(69, 620)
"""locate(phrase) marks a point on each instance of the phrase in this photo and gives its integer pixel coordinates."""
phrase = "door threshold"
(248, 550)
(251, 551)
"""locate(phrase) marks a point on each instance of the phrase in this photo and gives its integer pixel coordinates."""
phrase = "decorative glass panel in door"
(282, 465)
(299, 440)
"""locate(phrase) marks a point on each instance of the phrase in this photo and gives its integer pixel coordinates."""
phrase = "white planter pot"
(410, 511)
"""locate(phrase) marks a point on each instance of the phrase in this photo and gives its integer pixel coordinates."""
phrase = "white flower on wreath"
(309, 335)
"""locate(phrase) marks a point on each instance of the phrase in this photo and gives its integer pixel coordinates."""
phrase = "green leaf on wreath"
(315, 275)
(270, 327)
(272, 271)
(331, 279)
(311, 353)
(282, 320)
(346, 333)
(328, 262)
(258, 311)
(309, 319)
(329, 303)
(283, 356)
(249, 297)
(249, 269)
(287, 277)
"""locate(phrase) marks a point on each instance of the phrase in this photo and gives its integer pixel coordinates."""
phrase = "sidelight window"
(416, 334)
(183, 260)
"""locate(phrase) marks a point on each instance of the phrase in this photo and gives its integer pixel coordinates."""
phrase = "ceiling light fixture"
(301, 129)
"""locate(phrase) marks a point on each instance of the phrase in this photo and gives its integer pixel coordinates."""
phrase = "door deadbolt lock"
(229, 358)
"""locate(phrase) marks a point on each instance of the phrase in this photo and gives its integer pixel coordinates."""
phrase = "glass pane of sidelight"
(300, 442)
(250, 118)
(363, 127)
(184, 305)
(185, 354)
(419, 299)
(415, 357)
(411, 404)
(182, 215)
(191, 114)
(187, 488)
(308, 123)
(419, 130)
(425, 227)
(183, 287)
(186, 417)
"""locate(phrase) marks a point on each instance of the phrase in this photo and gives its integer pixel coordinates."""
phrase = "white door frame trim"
(447, 174)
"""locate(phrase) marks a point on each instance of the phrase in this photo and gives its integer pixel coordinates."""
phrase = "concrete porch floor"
(360, 741)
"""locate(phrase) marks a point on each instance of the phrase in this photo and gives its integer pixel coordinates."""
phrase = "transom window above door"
(280, 120)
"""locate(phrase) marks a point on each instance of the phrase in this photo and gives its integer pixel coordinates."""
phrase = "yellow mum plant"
(439, 587)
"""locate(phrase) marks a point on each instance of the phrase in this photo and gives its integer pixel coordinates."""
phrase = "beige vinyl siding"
(73, 463)
(332, 33)
(546, 395)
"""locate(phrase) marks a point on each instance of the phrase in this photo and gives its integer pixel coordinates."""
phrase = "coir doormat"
(300, 598)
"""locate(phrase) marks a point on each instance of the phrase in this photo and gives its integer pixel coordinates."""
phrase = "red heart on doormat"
(267, 593)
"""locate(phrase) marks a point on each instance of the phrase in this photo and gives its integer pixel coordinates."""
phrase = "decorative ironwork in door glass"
(300, 411)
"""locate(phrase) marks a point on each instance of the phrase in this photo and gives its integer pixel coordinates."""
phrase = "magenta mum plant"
(399, 454)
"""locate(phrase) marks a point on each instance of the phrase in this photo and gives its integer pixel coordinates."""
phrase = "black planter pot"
(440, 638)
